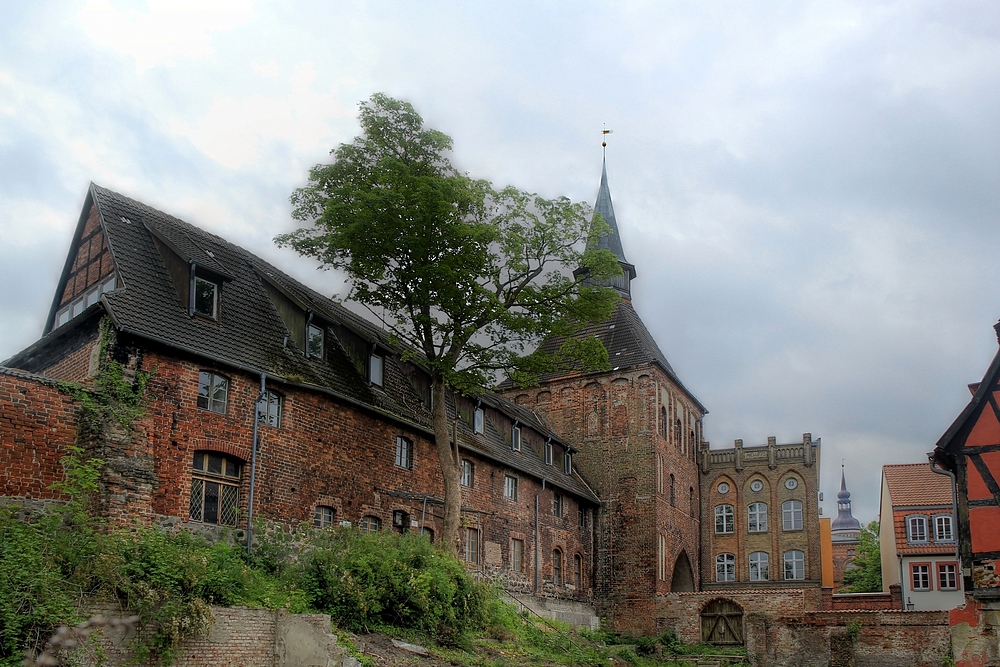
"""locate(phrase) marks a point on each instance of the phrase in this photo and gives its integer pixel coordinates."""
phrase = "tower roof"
(611, 239)
(845, 520)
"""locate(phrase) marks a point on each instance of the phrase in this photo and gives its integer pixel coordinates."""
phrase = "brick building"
(917, 537)
(760, 514)
(638, 429)
(242, 353)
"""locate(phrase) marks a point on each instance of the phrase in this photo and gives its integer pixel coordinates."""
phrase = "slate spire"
(611, 240)
(845, 525)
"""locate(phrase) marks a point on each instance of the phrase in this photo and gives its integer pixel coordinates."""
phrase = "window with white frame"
(213, 392)
(314, 342)
(791, 515)
(557, 504)
(269, 409)
(568, 463)
(215, 488)
(472, 545)
(725, 567)
(757, 518)
(724, 519)
(467, 472)
(510, 487)
(947, 576)
(916, 529)
(795, 565)
(206, 298)
(942, 528)
(323, 517)
(478, 420)
(548, 452)
(404, 453)
(759, 566)
(920, 576)
(375, 367)
(515, 438)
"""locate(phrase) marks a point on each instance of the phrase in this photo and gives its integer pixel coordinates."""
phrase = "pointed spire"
(611, 240)
(845, 527)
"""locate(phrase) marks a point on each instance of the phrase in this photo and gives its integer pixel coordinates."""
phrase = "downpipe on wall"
(253, 460)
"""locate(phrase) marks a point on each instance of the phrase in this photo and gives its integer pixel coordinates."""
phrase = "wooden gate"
(722, 622)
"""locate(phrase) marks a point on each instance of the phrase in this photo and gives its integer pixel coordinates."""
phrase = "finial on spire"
(604, 138)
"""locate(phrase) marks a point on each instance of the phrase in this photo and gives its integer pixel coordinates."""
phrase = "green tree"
(866, 576)
(466, 277)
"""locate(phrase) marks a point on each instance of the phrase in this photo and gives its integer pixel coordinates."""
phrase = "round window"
(723, 488)
(756, 485)
(791, 483)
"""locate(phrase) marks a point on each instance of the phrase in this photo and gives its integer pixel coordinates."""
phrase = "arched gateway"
(722, 622)
(682, 580)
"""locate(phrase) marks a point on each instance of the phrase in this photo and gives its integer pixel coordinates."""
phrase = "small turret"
(611, 240)
(845, 528)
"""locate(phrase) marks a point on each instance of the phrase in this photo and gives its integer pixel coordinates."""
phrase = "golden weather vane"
(604, 136)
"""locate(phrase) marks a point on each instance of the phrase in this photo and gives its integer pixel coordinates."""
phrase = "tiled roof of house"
(250, 334)
(916, 485)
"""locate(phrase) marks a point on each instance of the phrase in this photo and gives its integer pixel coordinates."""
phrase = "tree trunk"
(448, 457)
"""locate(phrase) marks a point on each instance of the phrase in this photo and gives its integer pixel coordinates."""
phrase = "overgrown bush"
(369, 581)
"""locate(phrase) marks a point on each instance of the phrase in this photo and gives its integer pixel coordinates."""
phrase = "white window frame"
(921, 571)
(510, 487)
(515, 438)
(269, 409)
(725, 568)
(472, 545)
(213, 382)
(215, 298)
(568, 463)
(794, 565)
(376, 368)
(916, 529)
(516, 555)
(947, 580)
(548, 452)
(760, 566)
(314, 333)
(757, 517)
(791, 515)
(404, 453)
(725, 519)
(941, 534)
(468, 473)
(558, 501)
(479, 420)
(324, 516)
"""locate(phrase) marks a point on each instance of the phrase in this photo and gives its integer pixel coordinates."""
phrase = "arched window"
(659, 474)
(759, 566)
(428, 533)
(215, 488)
(795, 565)
(677, 433)
(664, 424)
(370, 524)
(757, 517)
(578, 570)
(725, 567)
(724, 519)
(791, 515)
(673, 499)
(557, 573)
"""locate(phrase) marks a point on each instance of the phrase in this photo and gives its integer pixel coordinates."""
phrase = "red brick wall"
(614, 420)
(37, 424)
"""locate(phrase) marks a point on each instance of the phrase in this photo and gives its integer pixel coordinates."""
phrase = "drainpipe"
(192, 267)
(537, 552)
(954, 510)
(253, 460)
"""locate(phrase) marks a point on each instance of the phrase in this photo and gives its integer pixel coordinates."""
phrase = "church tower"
(638, 430)
(845, 531)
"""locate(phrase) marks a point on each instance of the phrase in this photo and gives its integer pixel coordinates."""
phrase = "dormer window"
(515, 438)
(478, 420)
(375, 365)
(314, 341)
(568, 463)
(548, 452)
(206, 298)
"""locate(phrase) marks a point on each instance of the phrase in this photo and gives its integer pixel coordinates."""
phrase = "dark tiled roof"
(250, 333)
(628, 342)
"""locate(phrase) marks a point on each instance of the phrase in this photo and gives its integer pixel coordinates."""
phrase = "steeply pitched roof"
(251, 335)
(612, 241)
(628, 342)
(916, 485)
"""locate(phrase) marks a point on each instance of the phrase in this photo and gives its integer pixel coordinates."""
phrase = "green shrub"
(367, 581)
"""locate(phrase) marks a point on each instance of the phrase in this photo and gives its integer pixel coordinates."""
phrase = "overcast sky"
(807, 190)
